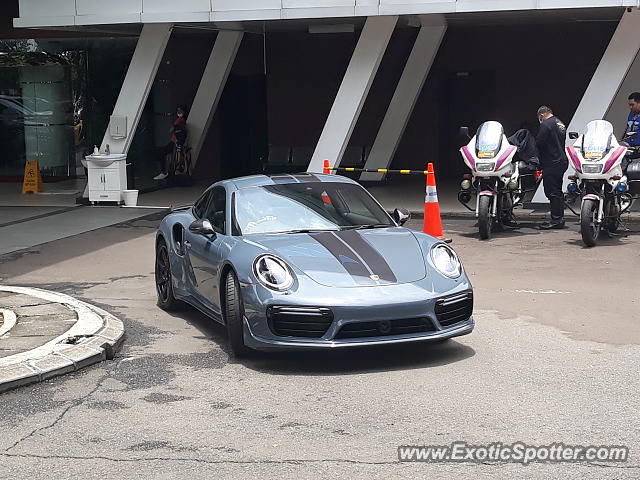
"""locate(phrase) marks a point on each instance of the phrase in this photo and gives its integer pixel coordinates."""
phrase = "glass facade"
(56, 96)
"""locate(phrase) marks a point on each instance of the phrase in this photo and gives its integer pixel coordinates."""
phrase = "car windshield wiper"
(364, 227)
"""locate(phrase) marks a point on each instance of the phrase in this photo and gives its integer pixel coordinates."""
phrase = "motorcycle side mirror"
(202, 227)
(401, 216)
(464, 132)
(573, 135)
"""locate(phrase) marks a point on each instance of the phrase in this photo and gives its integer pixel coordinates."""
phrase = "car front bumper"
(256, 342)
(355, 307)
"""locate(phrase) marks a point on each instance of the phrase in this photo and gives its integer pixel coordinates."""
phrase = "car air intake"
(385, 328)
(454, 308)
(308, 322)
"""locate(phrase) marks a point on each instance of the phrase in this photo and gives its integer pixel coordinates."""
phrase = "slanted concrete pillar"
(211, 88)
(353, 91)
(406, 95)
(604, 91)
(138, 82)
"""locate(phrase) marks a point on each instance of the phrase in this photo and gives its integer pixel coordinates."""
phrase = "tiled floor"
(58, 194)
(407, 192)
(62, 223)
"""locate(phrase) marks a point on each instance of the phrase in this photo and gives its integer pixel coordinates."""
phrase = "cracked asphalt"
(554, 358)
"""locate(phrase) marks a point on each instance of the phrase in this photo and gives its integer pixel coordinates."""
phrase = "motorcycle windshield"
(489, 139)
(597, 140)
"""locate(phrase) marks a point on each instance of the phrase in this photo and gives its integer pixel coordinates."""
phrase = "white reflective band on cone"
(431, 196)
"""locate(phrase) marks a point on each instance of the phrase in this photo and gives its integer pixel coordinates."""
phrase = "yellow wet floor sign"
(32, 179)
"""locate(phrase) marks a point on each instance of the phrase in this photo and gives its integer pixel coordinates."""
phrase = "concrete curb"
(95, 336)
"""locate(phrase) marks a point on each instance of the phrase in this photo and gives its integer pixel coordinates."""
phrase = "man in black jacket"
(551, 143)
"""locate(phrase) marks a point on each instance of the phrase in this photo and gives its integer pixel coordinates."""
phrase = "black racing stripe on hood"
(345, 256)
(370, 255)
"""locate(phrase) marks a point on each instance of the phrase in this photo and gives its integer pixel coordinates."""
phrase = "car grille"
(385, 328)
(308, 322)
(454, 308)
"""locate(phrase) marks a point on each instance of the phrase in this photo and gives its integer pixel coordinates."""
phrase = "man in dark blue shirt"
(551, 142)
(631, 136)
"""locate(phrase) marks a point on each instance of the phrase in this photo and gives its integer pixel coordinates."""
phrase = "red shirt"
(179, 120)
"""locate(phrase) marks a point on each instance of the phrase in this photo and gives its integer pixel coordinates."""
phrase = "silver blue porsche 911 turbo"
(309, 262)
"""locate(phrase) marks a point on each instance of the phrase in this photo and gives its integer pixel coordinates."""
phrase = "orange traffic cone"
(432, 221)
(326, 170)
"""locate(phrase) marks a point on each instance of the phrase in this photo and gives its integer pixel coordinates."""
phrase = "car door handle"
(187, 244)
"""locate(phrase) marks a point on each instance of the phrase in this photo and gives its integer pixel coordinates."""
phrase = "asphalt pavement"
(554, 358)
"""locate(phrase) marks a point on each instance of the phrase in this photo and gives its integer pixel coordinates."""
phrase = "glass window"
(216, 209)
(597, 139)
(306, 206)
(354, 201)
(200, 207)
(489, 139)
(56, 96)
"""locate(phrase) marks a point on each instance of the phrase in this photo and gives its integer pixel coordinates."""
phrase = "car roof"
(262, 180)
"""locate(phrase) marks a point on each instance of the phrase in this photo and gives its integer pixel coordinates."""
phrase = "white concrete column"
(210, 89)
(138, 82)
(605, 85)
(406, 95)
(353, 91)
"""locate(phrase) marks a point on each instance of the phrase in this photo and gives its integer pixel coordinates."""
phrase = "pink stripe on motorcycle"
(504, 156)
(618, 153)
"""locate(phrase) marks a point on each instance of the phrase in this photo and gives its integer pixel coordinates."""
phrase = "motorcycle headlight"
(273, 273)
(485, 167)
(593, 169)
(446, 261)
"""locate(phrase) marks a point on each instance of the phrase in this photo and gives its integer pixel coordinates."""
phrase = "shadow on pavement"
(523, 229)
(362, 359)
(22, 262)
(604, 240)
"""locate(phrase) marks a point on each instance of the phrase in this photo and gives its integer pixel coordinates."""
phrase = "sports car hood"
(351, 258)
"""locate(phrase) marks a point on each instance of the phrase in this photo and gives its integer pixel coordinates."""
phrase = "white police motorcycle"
(498, 181)
(596, 157)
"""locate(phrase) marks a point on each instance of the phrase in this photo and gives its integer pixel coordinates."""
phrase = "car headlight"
(273, 273)
(446, 261)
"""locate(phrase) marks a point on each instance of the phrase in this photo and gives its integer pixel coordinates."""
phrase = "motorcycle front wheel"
(589, 227)
(484, 217)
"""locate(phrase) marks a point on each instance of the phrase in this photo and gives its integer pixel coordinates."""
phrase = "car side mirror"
(464, 132)
(202, 227)
(573, 135)
(401, 215)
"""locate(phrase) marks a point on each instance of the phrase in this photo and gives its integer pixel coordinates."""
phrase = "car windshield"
(302, 207)
(597, 138)
(489, 139)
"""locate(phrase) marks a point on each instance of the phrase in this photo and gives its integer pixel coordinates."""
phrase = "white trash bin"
(130, 197)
